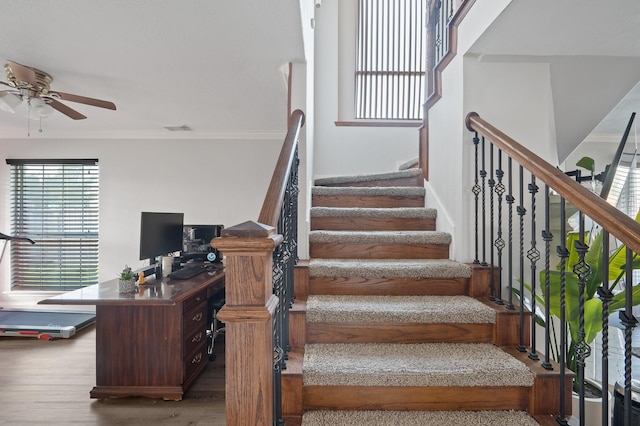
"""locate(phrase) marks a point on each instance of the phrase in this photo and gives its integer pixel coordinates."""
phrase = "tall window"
(390, 59)
(54, 203)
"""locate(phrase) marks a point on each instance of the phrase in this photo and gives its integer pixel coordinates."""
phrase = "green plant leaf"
(587, 163)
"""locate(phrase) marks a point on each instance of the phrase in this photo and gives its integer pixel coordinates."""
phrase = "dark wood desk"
(152, 342)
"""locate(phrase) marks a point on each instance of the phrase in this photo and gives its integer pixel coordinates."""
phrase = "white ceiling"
(213, 65)
(587, 33)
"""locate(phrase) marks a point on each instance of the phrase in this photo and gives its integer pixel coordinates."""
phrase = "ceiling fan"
(33, 85)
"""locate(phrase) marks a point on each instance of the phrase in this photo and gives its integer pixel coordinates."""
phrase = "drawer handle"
(197, 317)
(197, 337)
(196, 359)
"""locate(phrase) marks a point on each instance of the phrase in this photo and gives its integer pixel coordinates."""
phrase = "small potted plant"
(126, 281)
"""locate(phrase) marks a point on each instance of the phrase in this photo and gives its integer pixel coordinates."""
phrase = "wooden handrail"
(613, 220)
(272, 205)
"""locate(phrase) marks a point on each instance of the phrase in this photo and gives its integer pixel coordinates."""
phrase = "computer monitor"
(196, 243)
(160, 234)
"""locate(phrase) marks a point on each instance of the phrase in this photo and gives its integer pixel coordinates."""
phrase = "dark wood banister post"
(250, 303)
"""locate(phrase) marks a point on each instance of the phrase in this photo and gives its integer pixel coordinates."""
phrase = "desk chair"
(216, 327)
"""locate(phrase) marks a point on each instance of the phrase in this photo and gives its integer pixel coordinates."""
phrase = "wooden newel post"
(248, 317)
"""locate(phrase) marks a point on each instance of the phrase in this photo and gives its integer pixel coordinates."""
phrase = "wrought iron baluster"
(547, 237)
(563, 254)
(629, 321)
(483, 186)
(521, 212)
(476, 191)
(533, 255)
(510, 201)
(606, 296)
(499, 243)
(582, 349)
(492, 183)
(285, 257)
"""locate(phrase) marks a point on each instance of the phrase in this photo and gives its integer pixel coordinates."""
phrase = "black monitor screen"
(160, 234)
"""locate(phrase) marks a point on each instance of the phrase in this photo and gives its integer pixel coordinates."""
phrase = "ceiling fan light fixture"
(39, 109)
(9, 102)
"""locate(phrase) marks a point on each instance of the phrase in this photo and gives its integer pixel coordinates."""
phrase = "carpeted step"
(411, 164)
(391, 196)
(409, 177)
(379, 244)
(417, 418)
(425, 376)
(373, 219)
(398, 319)
(388, 277)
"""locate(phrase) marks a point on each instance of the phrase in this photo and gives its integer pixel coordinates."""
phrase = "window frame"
(347, 42)
(56, 203)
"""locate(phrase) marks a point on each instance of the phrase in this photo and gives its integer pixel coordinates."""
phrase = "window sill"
(379, 123)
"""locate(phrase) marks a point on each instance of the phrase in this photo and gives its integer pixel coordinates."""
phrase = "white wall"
(348, 150)
(210, 181)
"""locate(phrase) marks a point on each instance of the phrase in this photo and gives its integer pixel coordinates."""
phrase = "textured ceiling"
(213, 65)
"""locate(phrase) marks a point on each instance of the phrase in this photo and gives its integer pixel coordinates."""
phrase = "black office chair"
(216, 327)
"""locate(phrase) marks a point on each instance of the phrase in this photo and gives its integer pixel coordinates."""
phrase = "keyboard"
(188, 271)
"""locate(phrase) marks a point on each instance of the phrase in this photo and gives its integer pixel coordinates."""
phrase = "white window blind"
(390, 59)
(55, 203)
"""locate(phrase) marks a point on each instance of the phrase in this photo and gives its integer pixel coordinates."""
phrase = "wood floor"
(48, 383)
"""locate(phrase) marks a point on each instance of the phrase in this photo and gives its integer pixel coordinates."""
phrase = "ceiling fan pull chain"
(28, 117)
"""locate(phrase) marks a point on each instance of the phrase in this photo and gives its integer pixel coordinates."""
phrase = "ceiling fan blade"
(23, 73)
(85, 100)
(69, 112)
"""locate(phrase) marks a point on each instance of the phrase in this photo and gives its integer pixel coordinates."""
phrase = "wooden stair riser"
(415, 397)
(292, 404)
(360, 286)
(408, 181)
(371, 201)
(544, 398)
(372, 224)
(321, 332)
(378, 251)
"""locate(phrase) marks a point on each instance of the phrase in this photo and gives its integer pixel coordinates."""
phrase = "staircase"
(386, 330)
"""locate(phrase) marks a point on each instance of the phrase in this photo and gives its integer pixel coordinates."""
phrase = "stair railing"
(442, 43)
(504, 184)
(260, 260)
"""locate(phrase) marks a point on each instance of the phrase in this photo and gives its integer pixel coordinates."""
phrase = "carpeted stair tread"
(397, 191)
(380, 237)
(409, 173)
(422, 364)
(417, 418)
(413, 163)
(389, 268)
(391, 213)
(398, 309)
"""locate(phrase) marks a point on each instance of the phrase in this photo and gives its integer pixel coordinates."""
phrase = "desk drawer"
(194, 300)
(194, 341)
(195, 319)
(195, 362)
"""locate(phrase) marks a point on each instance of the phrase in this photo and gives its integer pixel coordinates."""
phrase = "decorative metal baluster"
(547, 237)
(510, 201)
(476, 191)
(606, 296)
(278, 352)
(533, 255)
(563, 254)
(284, 259)
(582, 349)
(499, 243)
(521, 212)
(483, 176)
(492, 183)
(629, 321)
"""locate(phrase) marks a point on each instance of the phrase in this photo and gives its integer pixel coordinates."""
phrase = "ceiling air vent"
(183, 128)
